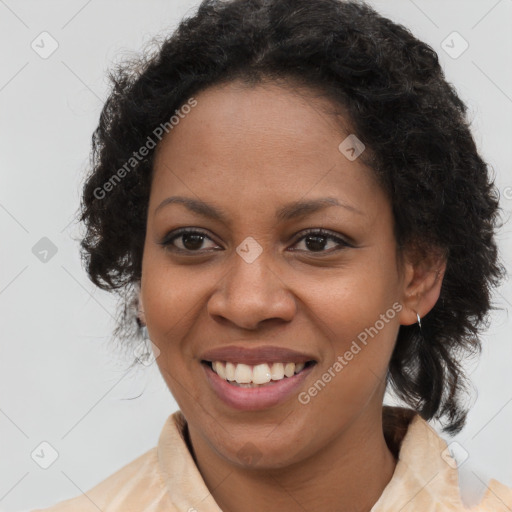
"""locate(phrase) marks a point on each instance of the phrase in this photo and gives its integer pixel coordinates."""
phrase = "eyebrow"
(286, 212)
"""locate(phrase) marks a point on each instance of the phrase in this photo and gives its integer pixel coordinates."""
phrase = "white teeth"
(289, 369)
(230, 371)
(299, 367)
(220, 369)
(277, 371)
(258, 374)
(243, 373)
(261, 374)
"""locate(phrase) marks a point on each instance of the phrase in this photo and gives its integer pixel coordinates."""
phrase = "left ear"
(422, 282)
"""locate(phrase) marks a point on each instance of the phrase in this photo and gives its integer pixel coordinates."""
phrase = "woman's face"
(254, 285)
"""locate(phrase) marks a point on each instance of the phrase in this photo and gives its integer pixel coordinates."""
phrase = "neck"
(348, 474)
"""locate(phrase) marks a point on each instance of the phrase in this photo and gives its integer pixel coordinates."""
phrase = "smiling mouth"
(250, 376)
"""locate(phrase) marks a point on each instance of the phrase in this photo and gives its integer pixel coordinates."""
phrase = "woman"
(290, 194)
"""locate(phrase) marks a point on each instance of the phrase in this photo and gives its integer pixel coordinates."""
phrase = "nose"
(250, 294)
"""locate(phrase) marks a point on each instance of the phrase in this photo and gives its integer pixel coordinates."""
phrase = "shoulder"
(497, 498)
(426, 476)
(130, 488)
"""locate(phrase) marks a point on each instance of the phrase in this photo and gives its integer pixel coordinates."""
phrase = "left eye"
(315, 241)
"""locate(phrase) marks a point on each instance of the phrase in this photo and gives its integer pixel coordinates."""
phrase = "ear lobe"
(141, 317)
(422, 285)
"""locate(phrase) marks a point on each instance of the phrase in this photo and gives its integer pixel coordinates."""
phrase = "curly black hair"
(393, 91)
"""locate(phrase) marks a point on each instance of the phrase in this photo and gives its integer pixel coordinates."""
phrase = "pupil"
(196, 239)
(318, 242)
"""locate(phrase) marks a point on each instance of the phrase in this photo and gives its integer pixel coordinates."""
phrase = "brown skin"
(249, 151)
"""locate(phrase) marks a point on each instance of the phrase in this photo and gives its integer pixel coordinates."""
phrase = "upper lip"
(256, 355)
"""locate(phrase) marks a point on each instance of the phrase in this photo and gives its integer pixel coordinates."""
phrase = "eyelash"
(167, 242)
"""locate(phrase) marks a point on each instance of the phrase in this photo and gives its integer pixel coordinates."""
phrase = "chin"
(263, 453)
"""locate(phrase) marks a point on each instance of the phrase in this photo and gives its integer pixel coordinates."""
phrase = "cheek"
(356, 317)
(170, 293)
(353, 373)
(172, 300)
(347, 302)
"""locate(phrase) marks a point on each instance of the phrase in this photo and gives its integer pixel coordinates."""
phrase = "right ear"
(141, 317)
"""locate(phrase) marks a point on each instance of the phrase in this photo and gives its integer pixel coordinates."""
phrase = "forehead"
(254, 144)
(237, 119)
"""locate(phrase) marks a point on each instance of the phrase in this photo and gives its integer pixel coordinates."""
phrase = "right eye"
(190, 240)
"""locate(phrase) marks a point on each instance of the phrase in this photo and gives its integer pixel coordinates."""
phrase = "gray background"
(60, 380)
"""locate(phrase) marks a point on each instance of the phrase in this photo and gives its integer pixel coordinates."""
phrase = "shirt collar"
(426, 475)
(186, 487)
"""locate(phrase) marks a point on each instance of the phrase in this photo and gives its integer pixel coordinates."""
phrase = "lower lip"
(254, 399)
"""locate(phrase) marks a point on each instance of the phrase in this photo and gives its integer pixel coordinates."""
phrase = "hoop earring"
(419, 320)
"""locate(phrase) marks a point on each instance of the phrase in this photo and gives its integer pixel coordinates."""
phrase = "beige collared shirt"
(166, 478)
